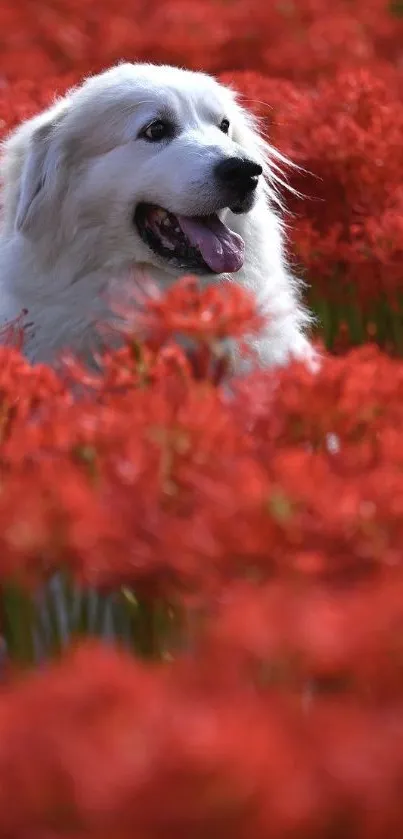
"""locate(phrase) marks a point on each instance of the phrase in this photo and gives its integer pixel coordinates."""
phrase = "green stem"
(18, 622)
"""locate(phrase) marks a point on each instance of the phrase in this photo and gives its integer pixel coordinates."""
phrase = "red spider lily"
(203, 314)
(219, 761)
(345, 134)
(152, 320)
(296, 635)
(171, 485)
(294, 41)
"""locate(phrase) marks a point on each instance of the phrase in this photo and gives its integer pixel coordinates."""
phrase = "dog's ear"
(39, 171)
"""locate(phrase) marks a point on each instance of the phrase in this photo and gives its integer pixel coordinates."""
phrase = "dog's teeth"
(165, 222)
(177, 228)
(167, 243)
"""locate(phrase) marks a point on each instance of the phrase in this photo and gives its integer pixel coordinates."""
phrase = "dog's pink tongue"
(221, 249)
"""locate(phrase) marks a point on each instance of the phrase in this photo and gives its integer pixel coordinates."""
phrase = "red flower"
(344, 133)
(203, 314)
(219, 761)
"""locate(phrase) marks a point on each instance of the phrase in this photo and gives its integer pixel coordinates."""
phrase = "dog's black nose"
(239, 174)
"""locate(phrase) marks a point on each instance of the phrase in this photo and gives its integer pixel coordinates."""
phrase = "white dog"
(145, 168)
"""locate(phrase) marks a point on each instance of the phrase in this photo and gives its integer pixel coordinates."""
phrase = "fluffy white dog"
(147, 168)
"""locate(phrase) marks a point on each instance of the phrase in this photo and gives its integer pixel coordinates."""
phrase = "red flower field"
(222, 557)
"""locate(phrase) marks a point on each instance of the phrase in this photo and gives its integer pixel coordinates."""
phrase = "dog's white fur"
(72, 177)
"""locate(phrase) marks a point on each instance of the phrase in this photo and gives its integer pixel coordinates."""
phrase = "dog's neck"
(62, 309)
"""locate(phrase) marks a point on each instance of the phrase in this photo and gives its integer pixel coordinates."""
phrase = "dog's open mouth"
(202, 244)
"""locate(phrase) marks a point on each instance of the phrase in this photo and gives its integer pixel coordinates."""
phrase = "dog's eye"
(156, 131)
(224, 126)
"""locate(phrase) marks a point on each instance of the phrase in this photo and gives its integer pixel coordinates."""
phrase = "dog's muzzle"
(203, 244)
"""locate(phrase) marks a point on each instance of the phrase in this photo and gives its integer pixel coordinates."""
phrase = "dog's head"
(141, 164)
